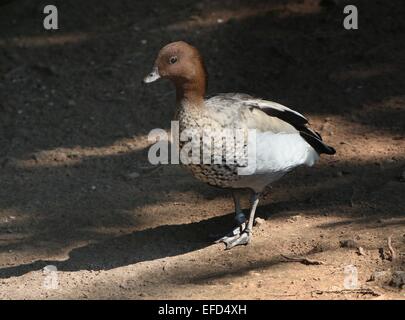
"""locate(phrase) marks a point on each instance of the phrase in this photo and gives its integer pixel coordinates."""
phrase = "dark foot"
(234, 233)
(240, 220)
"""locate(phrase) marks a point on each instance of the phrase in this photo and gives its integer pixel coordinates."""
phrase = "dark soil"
(74, 120)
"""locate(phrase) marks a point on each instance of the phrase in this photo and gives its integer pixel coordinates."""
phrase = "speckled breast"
(216, 173)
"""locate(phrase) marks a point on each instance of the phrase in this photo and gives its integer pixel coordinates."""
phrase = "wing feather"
(280, 112)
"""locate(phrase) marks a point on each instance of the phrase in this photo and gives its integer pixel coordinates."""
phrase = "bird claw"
(238, 240)
(234, 233)
(237, 237)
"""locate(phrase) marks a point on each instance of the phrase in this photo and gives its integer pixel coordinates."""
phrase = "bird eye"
(173, 60)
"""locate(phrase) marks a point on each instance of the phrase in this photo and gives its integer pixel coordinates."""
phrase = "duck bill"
(153, 76)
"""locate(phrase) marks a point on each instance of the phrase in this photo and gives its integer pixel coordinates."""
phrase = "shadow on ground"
(83, 91)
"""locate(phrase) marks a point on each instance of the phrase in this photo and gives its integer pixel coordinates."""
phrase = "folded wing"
(274, 117)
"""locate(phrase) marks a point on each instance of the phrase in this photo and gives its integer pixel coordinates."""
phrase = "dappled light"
(210, 17)
(77, 190)
(41, 41)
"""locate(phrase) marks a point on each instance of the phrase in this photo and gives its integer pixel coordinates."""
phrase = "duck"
(282, 141)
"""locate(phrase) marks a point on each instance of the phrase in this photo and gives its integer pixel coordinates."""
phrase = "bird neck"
(191, 91)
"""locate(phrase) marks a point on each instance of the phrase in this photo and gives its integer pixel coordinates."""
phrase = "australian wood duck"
(282, 140)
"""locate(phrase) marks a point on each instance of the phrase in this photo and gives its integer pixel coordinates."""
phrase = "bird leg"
(239, 218)
(243, 238)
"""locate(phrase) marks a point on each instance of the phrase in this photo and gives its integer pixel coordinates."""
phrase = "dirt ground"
(77, 191)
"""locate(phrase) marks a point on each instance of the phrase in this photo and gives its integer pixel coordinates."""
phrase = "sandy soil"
(77, 192)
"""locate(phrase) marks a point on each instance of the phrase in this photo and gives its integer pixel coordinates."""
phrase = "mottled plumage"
(281, 145)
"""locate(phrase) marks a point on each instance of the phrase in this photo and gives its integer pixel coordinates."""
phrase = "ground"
(77, 191)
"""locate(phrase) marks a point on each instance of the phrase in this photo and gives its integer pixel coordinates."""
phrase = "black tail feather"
(317, 144)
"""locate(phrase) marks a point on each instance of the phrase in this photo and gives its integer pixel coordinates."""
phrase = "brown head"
(182, 64)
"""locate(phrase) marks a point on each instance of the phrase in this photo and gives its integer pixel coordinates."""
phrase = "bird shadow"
(144, 245)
